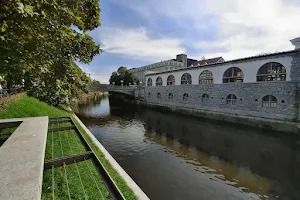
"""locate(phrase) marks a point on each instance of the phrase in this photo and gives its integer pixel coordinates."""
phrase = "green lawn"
(83, 179)
(31, 107)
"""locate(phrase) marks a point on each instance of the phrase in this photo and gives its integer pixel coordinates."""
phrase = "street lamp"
(141, 83)
(113, 83)
(122, 82)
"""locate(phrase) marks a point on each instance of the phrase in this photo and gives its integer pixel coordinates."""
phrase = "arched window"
(185, 96)
(231, 99)
(186, 79)
(269, 101)
(171, 80)
(271, 72)
(206, 77)
(149, 82)
(158, 95)
(205, 98)
(171, 96)
(149, 95)
(232, 75)
(159, 81)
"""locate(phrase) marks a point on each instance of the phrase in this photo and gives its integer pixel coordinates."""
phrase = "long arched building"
(263, 86)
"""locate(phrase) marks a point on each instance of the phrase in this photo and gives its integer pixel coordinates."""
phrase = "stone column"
(295, 73)
(295, 68)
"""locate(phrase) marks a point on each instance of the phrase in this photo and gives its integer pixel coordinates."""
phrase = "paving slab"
(22, 159)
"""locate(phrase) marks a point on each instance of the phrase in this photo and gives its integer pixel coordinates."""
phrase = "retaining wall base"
(264, 123)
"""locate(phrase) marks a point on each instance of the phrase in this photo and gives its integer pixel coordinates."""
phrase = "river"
(174, 156)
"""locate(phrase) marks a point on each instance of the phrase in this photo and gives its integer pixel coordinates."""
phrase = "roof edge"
(234, 61)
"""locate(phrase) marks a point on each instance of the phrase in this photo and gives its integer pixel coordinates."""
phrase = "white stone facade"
(156, 67)
(248, 67)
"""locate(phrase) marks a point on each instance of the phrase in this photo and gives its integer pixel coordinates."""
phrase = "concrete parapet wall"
(22, 159)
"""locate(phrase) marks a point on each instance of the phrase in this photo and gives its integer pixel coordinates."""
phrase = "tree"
(122, 74)
(63, 90)
(38, 41)
(95, 83)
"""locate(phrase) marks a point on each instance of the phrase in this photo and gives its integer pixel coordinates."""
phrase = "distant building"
(181, 61)
(207, 61)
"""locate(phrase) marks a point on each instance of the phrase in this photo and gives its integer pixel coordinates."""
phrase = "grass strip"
(123, 187)
(71, 145)
(56, 125)
(5, 134)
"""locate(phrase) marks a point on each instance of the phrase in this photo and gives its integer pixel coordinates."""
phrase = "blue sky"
(139, 32)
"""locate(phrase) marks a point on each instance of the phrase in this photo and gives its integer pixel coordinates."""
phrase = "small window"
(171, 96)
(232, 75)
(231, 99)
(205, 98)
(159, 81)
(149, 95)
(185, 96)
(186, 79)
(171, 80)
(149, 82)
(269, 101)
(158, 95)
(206, 77)
(271, 72)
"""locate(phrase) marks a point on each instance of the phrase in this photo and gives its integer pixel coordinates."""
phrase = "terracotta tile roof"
(207, 61)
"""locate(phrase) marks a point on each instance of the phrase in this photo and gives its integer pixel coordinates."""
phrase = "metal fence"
(4, 93)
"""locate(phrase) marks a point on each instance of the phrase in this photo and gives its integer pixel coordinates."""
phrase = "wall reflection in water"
(263, 165)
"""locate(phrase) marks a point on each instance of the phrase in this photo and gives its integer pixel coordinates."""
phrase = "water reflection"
(179, 157)
(96, 106)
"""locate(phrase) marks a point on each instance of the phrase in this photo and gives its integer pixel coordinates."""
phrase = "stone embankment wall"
(249, 98)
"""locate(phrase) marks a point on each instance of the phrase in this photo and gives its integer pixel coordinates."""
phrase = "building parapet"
(158, 64)
(240, 60)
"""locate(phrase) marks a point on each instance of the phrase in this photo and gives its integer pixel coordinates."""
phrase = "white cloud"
(93, 71)
(103, 78)
(252, 27)
(136, 43)
(244, 28)
(187, 13)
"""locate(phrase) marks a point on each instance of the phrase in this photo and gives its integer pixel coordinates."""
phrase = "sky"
(135, 33)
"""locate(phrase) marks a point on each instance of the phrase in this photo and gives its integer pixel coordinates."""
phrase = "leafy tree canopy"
(123, 74)
(39, 44)
(95, 82)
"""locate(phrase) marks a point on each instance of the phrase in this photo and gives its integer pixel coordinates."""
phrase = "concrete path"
(22, 160)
